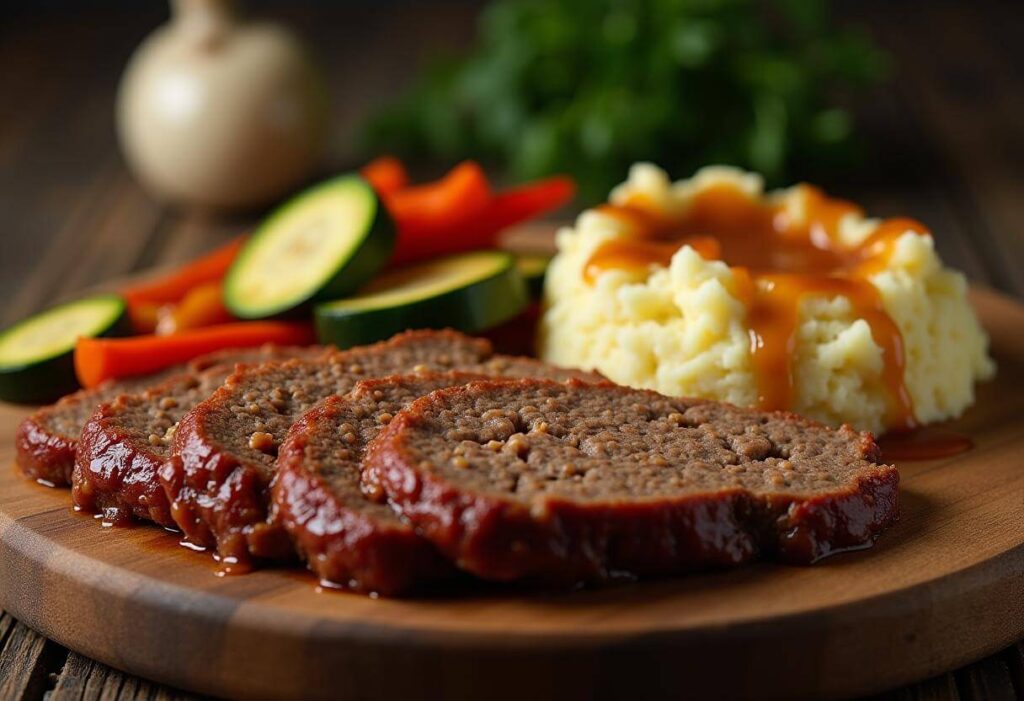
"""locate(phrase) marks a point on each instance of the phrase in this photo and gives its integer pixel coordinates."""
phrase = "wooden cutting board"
(942, 588)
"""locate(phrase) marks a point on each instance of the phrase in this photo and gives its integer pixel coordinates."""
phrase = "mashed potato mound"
(682, 330)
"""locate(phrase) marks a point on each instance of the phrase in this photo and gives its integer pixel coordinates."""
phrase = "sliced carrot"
(386, 174)
(202, 306)
(99, 359)
(145, 315)
(175, 285)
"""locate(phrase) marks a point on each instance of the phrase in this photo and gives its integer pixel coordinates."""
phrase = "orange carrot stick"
(386, 174)
(145, 316)
(142, 297)
(99, 359)
(201, 306)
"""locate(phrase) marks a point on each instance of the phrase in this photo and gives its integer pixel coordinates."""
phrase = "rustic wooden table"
(946, 145)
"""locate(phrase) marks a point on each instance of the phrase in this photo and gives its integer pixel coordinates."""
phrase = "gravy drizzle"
(776, 262)
(923, 444)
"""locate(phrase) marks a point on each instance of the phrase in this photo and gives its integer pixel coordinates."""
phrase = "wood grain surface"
(942, 588)
(943, 142)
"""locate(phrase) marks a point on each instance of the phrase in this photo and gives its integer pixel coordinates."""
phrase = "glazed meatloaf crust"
(46, 441)
(345, 538)
(127, 437)
(225, 449)
(532, 479)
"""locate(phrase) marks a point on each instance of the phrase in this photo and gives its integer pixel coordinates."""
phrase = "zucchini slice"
(37, 354)
(469, 292)
(533, 267)
(323, 243)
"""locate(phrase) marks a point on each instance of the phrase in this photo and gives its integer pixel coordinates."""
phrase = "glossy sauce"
(230, 566)
(776, 262)
(641, 254)
(923, 444)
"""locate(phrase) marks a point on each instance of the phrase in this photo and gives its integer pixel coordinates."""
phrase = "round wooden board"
(942, 588)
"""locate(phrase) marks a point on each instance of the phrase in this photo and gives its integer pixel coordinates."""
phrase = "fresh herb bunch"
(587, 87)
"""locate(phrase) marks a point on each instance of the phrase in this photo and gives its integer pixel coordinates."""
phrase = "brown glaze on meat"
(224, 451)
(344, 537)
(532, 479)
(127, 437)
(46, 441)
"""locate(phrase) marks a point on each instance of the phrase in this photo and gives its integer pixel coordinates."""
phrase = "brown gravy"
(776, 261)
(923, 444)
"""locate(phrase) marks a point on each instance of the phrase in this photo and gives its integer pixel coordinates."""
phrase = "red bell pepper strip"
(386, 174)
(516, 205)
(429, 217)
(481, 228)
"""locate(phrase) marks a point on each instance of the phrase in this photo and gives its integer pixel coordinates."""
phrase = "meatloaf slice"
(522, 479)
(225, 449)
(345, 538)
(46, 440)
(126, 436)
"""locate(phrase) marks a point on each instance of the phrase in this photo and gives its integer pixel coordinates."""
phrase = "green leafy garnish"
(587, 87)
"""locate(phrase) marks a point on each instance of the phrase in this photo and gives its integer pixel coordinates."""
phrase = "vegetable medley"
(349, 261)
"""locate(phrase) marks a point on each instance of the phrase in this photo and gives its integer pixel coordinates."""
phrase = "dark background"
(944, 144)
(944, 136)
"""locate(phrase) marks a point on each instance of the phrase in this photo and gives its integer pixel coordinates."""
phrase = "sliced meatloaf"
(522, 479)
(47, 439)
(127, 436)
(225, 449)
(344, 537)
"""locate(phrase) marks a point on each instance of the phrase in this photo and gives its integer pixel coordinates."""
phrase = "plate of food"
(364, 452)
